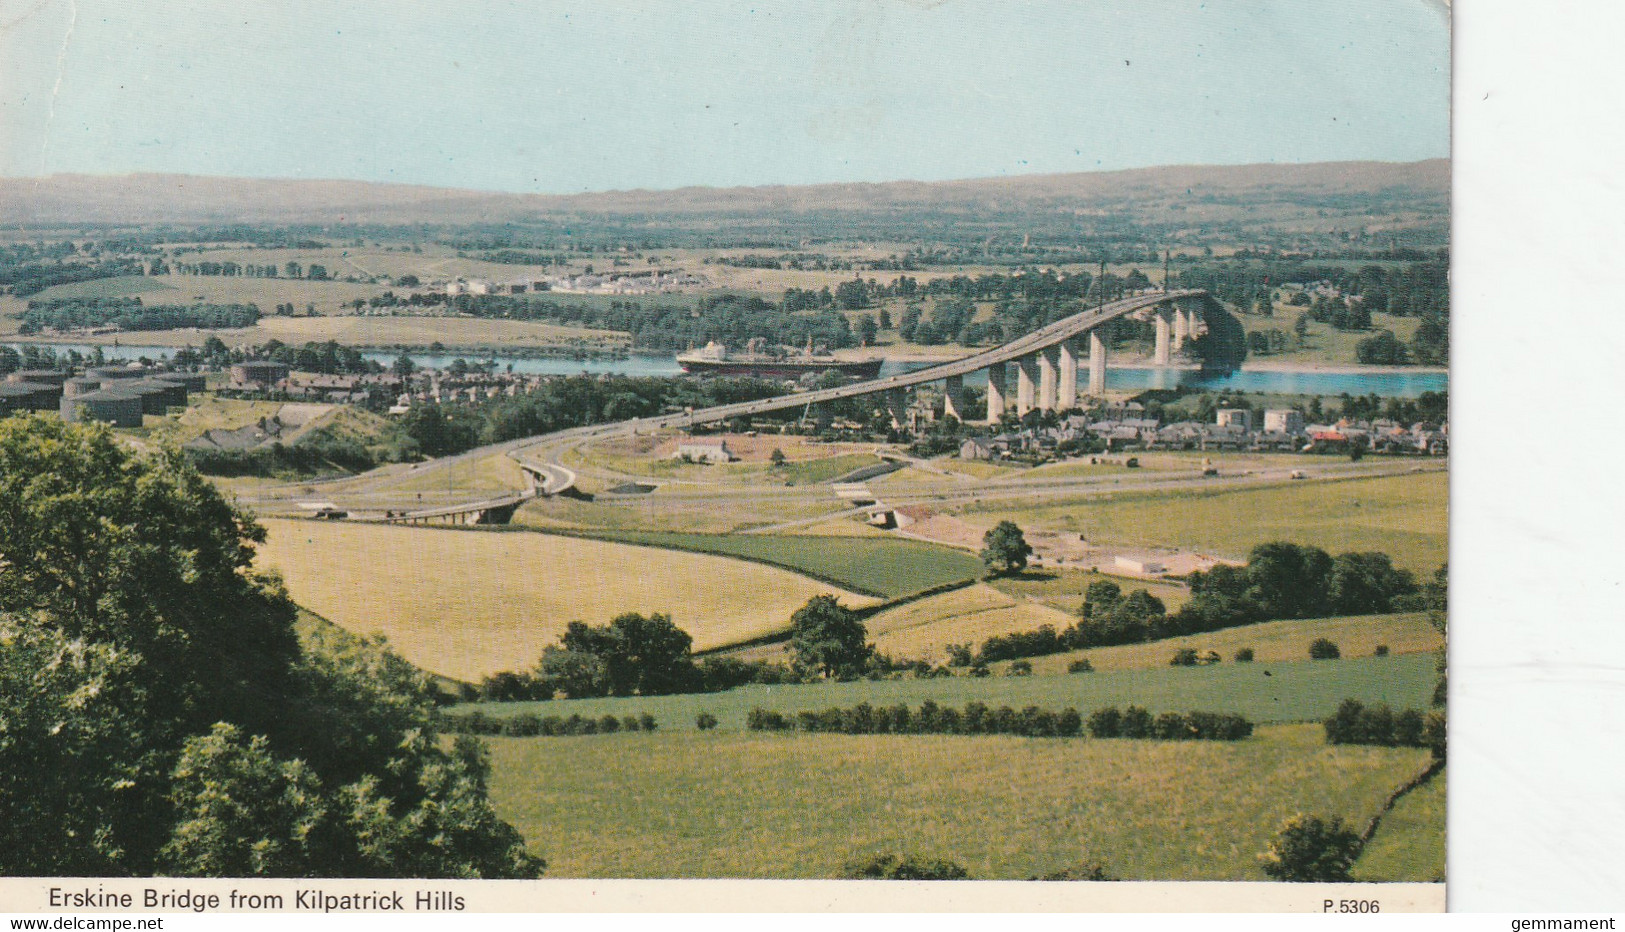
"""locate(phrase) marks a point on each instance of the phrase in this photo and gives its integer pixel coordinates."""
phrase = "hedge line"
(529, 725)
(1354, 723)
(978, 719)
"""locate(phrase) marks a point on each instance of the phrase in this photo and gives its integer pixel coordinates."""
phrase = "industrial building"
(116, 407)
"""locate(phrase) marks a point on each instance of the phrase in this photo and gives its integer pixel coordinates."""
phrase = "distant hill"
(1405, 193)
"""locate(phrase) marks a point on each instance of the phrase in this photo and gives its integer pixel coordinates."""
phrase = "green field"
(725, 804)
(1271, 641)
(1405, 516)
(885, 567)
(1410, 840)
(1300, 691)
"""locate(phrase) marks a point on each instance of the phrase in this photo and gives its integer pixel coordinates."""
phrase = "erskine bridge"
(1046, 365)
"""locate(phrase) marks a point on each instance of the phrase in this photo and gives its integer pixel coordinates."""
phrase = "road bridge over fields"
(1046, 366)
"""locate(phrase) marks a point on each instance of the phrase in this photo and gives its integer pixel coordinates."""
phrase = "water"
(1386, 384)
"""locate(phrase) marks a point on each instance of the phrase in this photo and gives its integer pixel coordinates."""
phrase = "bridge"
(1046, 364)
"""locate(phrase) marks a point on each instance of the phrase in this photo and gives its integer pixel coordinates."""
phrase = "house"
(1234, 417)
(704, 450)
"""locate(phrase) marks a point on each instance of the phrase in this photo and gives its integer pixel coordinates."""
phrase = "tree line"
(979, 719)
(1280, 580)
(132, 314)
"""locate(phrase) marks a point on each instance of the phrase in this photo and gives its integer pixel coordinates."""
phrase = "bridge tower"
(1097, 363)
(1067, 395)
(1026, 383)
(897, 407)
(995, 393)
(953, 387)
(1048, 366)
(1160, 316)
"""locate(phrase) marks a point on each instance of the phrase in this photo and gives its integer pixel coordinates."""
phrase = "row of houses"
(1281, 431)
(633, 283)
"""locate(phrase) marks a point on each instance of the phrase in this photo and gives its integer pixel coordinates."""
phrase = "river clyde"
(1388, 383)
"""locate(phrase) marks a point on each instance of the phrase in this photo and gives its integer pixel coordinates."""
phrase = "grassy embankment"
(1299, 691)
(466, 603)
(726, 804)
(1405, 516)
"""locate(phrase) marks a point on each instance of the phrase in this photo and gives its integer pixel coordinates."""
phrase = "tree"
(644, 656)
(776, 458)
(157, 709)
(1366, 584)
(1288, 580)
(1312, 850)
(828, 637)
(403, 366)
(1004, 549)
(243, 813)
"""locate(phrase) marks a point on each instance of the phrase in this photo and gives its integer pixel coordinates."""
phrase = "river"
(1388, 384)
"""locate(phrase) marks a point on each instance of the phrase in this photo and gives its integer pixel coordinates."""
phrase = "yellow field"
(1271, 641)
(923, 629)
(1405, 516)
(1063, 589)
(467, 603)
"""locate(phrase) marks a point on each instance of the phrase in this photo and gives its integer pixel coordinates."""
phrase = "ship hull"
(779, 368)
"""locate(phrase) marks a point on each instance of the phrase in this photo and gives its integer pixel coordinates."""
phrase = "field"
(1301, 691)
(798, 806)
(882, 566)
(1404, 516)
(1323, 343)
(1271, 641)
(1063, 589)
(665, 515)
(1410, 841)
(922, 629)
(466, 603)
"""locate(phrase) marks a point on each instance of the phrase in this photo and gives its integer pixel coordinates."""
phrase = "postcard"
(819, 447)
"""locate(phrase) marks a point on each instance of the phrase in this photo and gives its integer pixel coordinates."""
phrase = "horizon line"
(5, 178)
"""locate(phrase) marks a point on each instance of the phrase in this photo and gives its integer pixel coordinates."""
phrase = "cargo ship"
(715, 359)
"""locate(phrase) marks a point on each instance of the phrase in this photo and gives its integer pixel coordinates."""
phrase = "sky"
(560, 96)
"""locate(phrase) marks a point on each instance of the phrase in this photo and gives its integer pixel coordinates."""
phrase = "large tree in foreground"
(158, 713)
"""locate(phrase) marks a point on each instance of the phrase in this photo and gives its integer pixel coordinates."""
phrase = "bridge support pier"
(897, 407)
(953, 387)
(1182, 329)
(995, 393)
(1067, 395)
(1048, 366)
(1026, 383)
(1097, 363)
(1163, 356)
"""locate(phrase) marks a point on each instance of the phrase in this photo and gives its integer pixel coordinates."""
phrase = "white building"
(1139, 565)
(1235, 417)
(1284, 420)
